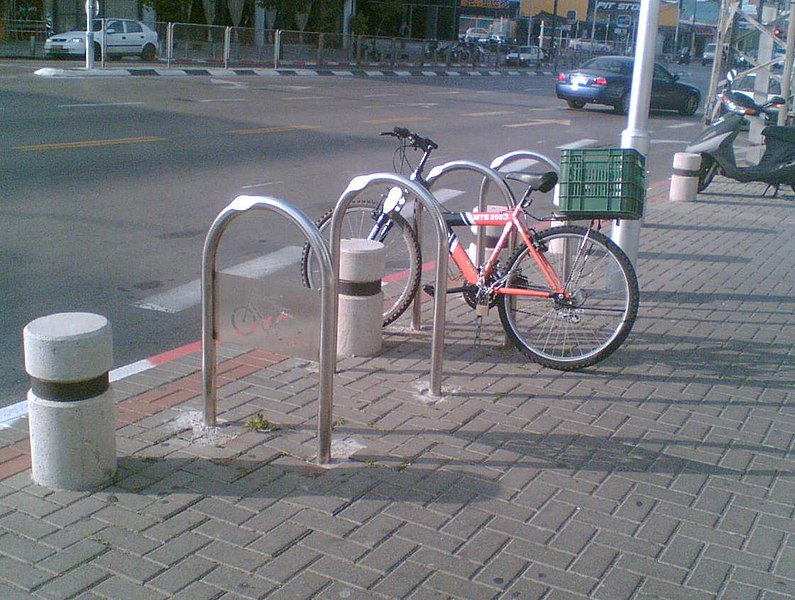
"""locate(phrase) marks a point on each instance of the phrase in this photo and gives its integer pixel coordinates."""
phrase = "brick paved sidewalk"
(665, 472)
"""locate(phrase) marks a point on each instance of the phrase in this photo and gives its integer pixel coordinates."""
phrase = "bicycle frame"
(510, 222)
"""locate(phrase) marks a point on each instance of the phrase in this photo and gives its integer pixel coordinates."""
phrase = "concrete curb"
(296, 72)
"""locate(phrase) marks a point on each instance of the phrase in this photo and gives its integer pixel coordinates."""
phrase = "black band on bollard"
(69, 392)
(685, 172)
(358, 288)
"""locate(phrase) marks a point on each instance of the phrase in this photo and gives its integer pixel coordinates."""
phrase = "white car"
(475, 34)
(121, 37)
(524, 55)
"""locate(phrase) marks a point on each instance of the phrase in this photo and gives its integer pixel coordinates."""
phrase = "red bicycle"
(568, 296)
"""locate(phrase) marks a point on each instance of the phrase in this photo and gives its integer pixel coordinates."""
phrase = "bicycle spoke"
(597, 312)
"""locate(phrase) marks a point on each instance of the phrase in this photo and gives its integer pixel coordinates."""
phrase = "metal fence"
(22, 37)
(241, 46)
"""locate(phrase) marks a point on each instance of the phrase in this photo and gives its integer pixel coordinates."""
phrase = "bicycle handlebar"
(417, 141)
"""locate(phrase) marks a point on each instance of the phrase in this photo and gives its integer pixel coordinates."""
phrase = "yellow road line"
(492, 113)
(267, 130)
(395, 120)
(89, 144)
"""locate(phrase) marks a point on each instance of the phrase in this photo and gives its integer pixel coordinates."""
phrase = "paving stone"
(617, 585)
(69, 585)
(223, 553)
(403, 580)
(304, 585)
(177, 548)
(175, 525)
(121, 563)
(181, 576)
(9, 593)
(83, 551)
(197, 591)
(279, 539)
(118, 587)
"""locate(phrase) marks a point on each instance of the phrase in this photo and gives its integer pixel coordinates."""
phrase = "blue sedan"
(608, 80)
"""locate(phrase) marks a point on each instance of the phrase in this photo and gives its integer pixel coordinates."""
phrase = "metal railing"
(243, 46)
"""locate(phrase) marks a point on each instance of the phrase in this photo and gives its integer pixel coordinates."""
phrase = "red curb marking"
(176, 353)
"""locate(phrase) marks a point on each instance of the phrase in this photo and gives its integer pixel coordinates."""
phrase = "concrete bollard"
(71, 407)
(361, 308)
(684, 180)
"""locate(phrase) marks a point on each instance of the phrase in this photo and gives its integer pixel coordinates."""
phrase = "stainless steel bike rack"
(427, 200)
(503, 160)
(433, 177)
(328, 312)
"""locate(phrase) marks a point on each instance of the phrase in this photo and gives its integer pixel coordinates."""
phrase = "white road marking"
(520, 164)
(493, 113)
(228, 83)
(189, 294)
(403, 104)
(583, 143)
(310, 97)
(100, 104)
(681, 125)
(380, 95)
(258, 185)
(223, 100)
(445, 194)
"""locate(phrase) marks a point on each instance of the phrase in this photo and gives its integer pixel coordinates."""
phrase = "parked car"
(121, 37)
(524, 55)
(709, 53)
(586, 45)
(746, 84)
(475, 34)
(608, 80)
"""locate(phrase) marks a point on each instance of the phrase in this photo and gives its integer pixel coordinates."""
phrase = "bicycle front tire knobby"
(403, 255)
(593, 322)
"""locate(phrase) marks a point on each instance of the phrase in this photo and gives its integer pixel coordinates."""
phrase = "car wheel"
(97, 52)
(148, 53)
(575, 103)
(622, 107)
(690, 107)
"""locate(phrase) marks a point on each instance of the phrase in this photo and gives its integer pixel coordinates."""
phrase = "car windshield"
(609, 64)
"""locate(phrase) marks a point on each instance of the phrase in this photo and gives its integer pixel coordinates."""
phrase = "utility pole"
(627, 233)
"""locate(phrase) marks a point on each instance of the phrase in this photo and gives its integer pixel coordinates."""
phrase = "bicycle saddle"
(542, 182)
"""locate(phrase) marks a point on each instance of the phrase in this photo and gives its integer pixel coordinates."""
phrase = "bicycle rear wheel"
(587, 328)
(403, 256)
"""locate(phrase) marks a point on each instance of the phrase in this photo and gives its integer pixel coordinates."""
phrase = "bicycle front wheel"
(589, 325)
(403, 256)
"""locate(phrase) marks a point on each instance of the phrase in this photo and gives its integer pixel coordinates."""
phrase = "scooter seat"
(779, 132)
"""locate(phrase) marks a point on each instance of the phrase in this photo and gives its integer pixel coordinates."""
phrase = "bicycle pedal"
(482, 310)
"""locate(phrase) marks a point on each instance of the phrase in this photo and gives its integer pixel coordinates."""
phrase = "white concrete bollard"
(361, 309)
(71, 407)
(684, 179)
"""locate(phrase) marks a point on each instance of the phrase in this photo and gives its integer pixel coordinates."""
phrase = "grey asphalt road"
(109, 184)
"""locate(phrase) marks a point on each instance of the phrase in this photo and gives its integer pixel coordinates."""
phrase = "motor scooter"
(716, 145)
(683, 58)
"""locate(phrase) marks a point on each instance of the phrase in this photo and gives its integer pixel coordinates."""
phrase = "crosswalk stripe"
(189, 294)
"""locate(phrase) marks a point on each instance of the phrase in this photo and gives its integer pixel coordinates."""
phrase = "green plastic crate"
(607, 183)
